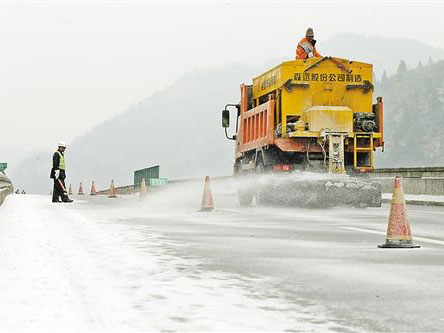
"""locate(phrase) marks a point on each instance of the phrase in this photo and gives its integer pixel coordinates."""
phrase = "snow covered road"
(159, 265)
(69, 268)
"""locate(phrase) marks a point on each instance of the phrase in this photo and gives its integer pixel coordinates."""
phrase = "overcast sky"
(66, 66)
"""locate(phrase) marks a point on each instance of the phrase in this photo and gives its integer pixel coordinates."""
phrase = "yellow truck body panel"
(316, 83)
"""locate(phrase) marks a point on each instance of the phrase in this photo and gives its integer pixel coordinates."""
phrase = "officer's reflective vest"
(308, 48)
(305, 50)
(62, 161)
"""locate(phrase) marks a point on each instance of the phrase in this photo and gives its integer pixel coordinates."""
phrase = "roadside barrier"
(398, 230)
(130, 189)
(417, 181)
(207, 197)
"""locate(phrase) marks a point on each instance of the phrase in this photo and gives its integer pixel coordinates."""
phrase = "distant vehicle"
(315, 115)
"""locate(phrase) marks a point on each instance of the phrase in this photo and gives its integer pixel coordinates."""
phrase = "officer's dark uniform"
(58, 191)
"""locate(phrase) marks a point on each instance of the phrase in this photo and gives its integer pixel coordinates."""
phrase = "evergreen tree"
(414, 103)
(384, 77)
(402, 67)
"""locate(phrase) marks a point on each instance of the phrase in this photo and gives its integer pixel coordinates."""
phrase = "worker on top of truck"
(306, 47)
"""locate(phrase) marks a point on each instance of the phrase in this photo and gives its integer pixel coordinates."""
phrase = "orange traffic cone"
(112, 190)
(93, 188)
(70, 190)
(81, 189)
(398, 230)
(142, 192)
(207, 198)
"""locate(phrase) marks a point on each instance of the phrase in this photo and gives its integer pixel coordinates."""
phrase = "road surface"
(158, 264)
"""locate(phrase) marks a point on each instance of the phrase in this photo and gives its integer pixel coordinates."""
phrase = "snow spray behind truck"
(315, 115)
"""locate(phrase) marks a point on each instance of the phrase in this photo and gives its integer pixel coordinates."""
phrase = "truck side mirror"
(225, 118)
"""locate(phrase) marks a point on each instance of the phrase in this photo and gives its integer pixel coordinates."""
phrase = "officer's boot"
(55, 197)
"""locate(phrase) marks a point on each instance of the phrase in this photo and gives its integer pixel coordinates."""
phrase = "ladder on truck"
(363, 152)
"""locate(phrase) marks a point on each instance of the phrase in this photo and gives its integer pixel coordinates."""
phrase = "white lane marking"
(364, 230)
(421, 239)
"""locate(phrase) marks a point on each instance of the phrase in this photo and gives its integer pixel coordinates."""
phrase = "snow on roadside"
(51, 278)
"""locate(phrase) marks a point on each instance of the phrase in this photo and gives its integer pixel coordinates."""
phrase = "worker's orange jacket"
(306, 50)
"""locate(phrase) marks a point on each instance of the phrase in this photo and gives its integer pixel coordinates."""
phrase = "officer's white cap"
(62, 144)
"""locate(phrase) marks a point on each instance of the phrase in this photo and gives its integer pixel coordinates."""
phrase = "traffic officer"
(58, 174)
(306, 47)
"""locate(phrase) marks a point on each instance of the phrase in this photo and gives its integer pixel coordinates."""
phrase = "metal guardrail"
(5, 187)
(130, 189)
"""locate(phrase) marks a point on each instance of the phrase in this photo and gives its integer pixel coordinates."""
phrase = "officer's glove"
(56, 174)
(310, 54)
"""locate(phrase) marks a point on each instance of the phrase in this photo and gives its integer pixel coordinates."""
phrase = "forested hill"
(414, 116)
(178, 128)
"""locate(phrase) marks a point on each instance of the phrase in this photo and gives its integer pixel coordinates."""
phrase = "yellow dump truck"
(316, 115)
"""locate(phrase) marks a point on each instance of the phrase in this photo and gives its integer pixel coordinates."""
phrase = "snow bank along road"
(5, 187)
(158, 264)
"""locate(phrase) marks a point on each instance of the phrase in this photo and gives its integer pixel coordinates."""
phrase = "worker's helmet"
(309, 33)
(62, 144)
